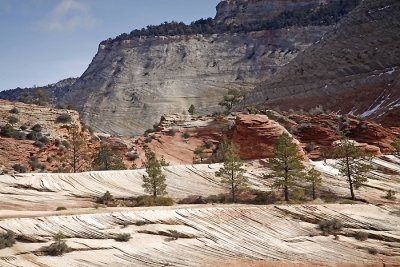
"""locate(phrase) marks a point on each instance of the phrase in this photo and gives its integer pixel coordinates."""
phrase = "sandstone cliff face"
(131, 83)
(355, 68)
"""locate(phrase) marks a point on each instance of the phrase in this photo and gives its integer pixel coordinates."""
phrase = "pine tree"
(232, 173)
(285, 164)
(154, 181)
(233, 97)
(105, 160)
(396, 146)
(79, 155)
(352, 164)
(314, 177)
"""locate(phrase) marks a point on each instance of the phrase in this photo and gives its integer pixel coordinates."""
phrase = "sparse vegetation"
(64, 118)
(361, 236)
(233, 97)
(192, 110)
(132, 155)
(13, 119)
(105, 199)
(372, 251)
(19, 168)
(7, 130)
(330, 226)
(7, 239)
(149, 201)
(57, 248)
(61, 208)
(36, 165)
(14, 110)
(390, 195)
(314, 177)
(185, 135)
(122, 237)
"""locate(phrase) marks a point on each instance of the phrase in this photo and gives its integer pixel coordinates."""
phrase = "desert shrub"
(104, 199)
(64, 118)
(38, 144)
(19, 135)
(310, 146)
(44, 139)
(59, 236)
(148, 140)
(7, 239)
(60, 208)
(14, 110)
(7, 130)
(13, 120)
(208, 144)
(132, 155)
(34, 135)
(36, 165)
(65, 144)
(57, 248)
(57, 142)
(372, 251)
(36, 128)
(390, 194)
(172, 132)
(50, 159)
(23, 127)
(265, 198)
(330, 226)
(317, 110)
(19, 168)
(185, 135)
(122, 237)
(362, 236)
(298, 194)
(148, 201)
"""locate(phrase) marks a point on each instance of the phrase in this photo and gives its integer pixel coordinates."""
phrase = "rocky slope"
(355, 68)
(134, 79)
(211, 236)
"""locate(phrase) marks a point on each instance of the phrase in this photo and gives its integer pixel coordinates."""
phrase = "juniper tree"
(286, 164)
(233, 97)
(192, 109)
(78, 157)
(154, 181)
(232, 173)
(352, 164)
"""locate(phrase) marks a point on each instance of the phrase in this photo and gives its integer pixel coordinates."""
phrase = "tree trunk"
(286, 187)
(233, 187)
(313, 191)
(353, 197)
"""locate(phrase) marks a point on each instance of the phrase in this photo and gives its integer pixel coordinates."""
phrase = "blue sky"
(44, 41)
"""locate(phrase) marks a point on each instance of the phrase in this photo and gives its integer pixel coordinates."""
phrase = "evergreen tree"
(154, 181)
(42, 97)
(314, 177)
(232, 173)
(25, 97)
(106, 160)
(351, 161)
(285, 164)
(396, 146)
(79, 155)
(233, 97)
(192, 110)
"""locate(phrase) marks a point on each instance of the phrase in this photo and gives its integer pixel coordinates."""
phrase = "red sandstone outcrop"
(255, 135)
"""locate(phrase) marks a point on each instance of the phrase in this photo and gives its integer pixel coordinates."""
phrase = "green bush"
(362, 236)
(36, 165)
(19, 168)
(64, 118)
(330, 226)
(7, 239)
(23, 127)
(148, 201)
(372, 251)
(390, 194)
(57, 248)
(44, 139)
(39, 144)
(122, 237)
(61, 208)
(34, 135)
(7, 130)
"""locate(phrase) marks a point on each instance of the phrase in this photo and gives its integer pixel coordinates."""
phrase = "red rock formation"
(255, 135)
